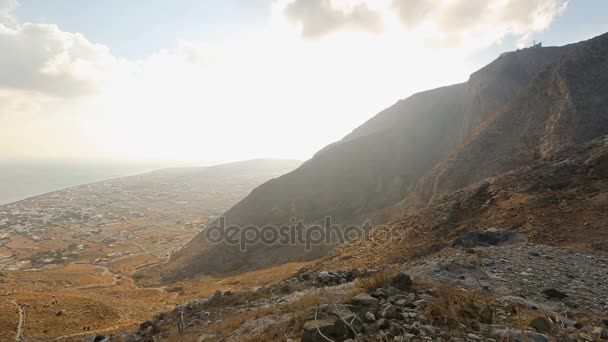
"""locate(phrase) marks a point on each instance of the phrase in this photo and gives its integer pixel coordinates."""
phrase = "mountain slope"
(521, 107)
(559, 200)
(565, 105)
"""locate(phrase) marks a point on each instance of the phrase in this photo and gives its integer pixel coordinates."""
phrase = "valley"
(67, 258)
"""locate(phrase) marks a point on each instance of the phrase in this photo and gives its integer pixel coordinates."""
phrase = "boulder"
(364, 299)
(385, 292)
(488, 237)
(541, 324)
(554, 294)
(390, 312)
(314, 330)
(402, 281)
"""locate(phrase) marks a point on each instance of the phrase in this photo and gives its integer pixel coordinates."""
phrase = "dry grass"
(456, 308)
(375, 280)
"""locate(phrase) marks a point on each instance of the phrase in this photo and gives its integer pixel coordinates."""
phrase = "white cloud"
(41, 58)
(454, 23)
(272, 92)
(318, 18)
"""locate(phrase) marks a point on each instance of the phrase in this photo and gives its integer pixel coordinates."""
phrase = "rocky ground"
(490, 287)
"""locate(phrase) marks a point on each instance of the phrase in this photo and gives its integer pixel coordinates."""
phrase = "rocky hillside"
(521, 108)
(512, 292)
(565, 105)
(560, 200)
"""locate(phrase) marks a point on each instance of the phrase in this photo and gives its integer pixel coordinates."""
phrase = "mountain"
(558, 201)
(523, 107)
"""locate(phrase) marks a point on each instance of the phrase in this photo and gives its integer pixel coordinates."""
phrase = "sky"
(225, 80)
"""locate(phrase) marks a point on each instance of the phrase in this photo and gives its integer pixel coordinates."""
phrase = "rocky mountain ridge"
(521, 108)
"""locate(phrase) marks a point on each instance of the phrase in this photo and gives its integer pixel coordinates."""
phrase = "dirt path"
(21, 325)
(124, 325)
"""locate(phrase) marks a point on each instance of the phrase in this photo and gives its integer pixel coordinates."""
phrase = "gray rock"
(382, 323)
(402, 281)
(488, 237)
(420, 303)
(408, 337)
(554, 294)
(385, 292)
(390, 312)
(216, 297)
(429, 330)
(206, 337)
(489, 262)
(192, 304)
(364, 299)
(394, 329)
(541, 324)
(348, 310)
(566, 322)
(89, 338)
(315, 329)
(600, 333)
(519, 336)
(472, 337)
(370, 317)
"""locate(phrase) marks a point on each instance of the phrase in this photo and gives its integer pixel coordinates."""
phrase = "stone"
(370, 317)
(541, 324)
(146, 325)
(519, 336)
(395, 298)
(429, 330)
(402, 302)
(472, 337)
(489, 262)
(89, 338)
(192, 304)
(216, 297)
(382, 324)
(206, 337)
(554, 294)
(488, 237)
(390, 312)
(402, 281)
(394, 329)
(420, 303)
(408, 337)
(347, 310)
(384, 292)
(369, 329)
(600, 333)
(364, 299)
(566, 322)
(314, 330)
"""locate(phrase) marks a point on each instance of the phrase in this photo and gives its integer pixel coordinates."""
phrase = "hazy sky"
(229, 79)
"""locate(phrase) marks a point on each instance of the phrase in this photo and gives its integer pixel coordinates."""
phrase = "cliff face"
(522, 107)
(565, 105)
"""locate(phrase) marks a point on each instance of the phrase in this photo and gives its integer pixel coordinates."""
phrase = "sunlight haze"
(300, 76)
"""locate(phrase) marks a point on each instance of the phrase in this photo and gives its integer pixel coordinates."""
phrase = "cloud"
(318, 18)
(453, 23)
(42, 58)
(275, 91)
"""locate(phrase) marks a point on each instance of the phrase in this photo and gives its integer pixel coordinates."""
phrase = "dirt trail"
(124, 325)
(21, 325)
